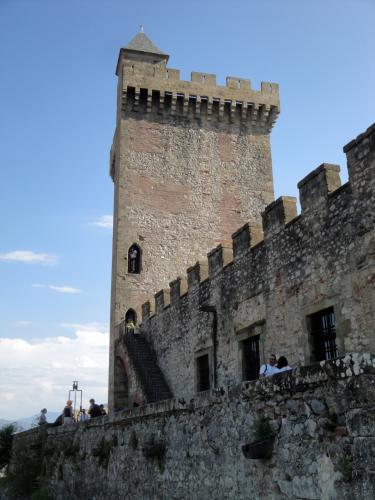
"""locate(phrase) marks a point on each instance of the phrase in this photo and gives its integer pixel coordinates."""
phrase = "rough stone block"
(277, 214)
(203, 78)
(361, 423)
(147, 311)
(218, 258)
(233, 82)
(245, 237)
(178, 287)
(162, 299)
(316, 186)
(197, 273)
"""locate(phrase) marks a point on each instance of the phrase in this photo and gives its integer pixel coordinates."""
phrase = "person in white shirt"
(83, 417)
(282, 364)
(269, 368)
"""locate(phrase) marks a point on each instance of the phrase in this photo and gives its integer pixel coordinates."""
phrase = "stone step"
(146, 367)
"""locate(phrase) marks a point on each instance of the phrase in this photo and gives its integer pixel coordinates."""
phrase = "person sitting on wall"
(102, 410)
(94, 410)
(42, 420)
(269, 368)
(282, 364)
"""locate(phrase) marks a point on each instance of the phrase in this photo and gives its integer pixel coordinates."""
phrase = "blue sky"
(57, 115)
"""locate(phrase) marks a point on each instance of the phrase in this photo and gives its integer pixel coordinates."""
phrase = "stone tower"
(190, 162)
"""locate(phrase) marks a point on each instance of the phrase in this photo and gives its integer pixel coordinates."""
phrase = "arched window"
(131, 321)
(131, 316)
(134, 259)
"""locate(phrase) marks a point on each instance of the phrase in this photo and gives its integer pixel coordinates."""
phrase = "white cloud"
(29, 257)
(39, 373)
(94, 326)
(21, 323)
(60, 289)
(105, 221)
(64, 289)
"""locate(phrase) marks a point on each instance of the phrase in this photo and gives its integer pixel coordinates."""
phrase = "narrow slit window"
(203, 373)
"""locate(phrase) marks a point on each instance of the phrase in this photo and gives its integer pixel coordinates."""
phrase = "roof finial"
(141, 28)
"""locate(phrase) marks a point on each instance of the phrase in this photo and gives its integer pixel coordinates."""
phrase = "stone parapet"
(218, 258)
(245, 237)
(316, 186)
(300, 379)
(163, 93)
(277, 214)
(321, 417)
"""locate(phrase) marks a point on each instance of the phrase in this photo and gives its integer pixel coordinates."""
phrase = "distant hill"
(28, 422)
(23, 424)
(3, 422)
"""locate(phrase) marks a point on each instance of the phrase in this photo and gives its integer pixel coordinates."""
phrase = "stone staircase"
(149, 374)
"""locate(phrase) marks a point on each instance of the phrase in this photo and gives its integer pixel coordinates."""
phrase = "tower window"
(323, 332)
(134, 259)
(130, 321)
(250, 358)
(203, 373)
(130, 316)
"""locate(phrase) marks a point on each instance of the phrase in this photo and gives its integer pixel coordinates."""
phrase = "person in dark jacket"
(94, 410)
(283, 365)
(68, 413)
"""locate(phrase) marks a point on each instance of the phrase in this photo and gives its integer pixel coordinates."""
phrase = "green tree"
(6, 440)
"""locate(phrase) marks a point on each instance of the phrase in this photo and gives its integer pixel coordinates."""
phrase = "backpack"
(95, 411)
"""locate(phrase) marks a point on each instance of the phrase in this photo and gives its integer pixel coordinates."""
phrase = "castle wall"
(319, 259)
(324, 448)
(190, 161)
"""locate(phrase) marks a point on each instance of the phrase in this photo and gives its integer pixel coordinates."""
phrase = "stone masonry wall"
(190, 162)
(323, 417)
(321, 258)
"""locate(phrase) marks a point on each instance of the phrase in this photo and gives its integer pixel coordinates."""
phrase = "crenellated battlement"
(158, 90)
(281, 227)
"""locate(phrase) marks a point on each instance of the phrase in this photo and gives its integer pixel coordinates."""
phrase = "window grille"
(323, 331)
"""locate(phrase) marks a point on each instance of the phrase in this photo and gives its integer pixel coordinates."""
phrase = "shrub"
(262, 428)
(6, 440)
(156, 449)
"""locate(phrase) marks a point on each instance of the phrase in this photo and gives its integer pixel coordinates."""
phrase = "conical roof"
(141, 48)
(142, 43)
